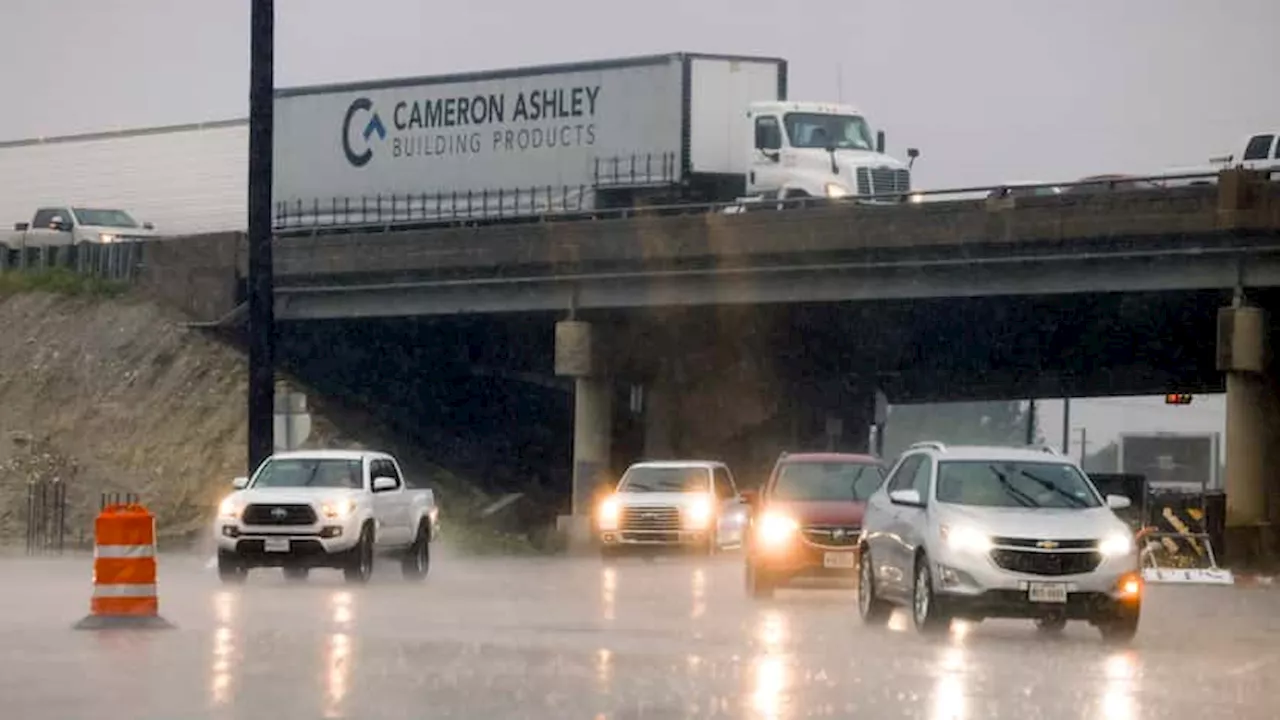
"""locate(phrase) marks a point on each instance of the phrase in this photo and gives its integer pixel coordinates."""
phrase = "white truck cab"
(63, 225)
(672, 505)
(820, 150)
(325, 508)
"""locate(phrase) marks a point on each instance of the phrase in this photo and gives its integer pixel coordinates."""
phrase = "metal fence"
(652, 170)
(120, 262)
(46, 517)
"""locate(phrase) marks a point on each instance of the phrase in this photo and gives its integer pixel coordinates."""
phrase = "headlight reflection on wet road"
(608, 593)
(699, 593)
(224, 609)
(771, 673)
(1118, 697)
(337, 657)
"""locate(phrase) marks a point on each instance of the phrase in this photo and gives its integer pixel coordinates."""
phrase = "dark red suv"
(806, 520)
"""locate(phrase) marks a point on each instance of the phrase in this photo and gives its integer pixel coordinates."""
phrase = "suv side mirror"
(910, 498)
(383, 484)
(1119, 502)
(240, 483)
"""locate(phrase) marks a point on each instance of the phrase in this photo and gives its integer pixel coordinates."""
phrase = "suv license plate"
(838, 560)
(276, 545)
(1047, 592)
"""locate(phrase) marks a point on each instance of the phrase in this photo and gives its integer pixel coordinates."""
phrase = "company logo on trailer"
(373, 126)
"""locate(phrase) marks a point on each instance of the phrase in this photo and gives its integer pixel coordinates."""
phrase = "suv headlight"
(339, 510)
(965, 539)
(776, 529)
(1117, 544)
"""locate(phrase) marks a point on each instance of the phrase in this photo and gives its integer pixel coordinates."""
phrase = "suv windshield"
(666, 479)
(105, 218)
(814, 130)
(1014, 484)
(310, 473)
(821, 481)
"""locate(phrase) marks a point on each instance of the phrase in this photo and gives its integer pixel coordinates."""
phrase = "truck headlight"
(229, 508)
(835, 190)
(1117, 544)
(607, 514)
(107, 238)
(776, 529)
(698, 514)
(965, 539)
(340, 510)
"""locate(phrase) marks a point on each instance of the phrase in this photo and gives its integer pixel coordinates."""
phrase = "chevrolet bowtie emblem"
(837, 534)
(1047, 544)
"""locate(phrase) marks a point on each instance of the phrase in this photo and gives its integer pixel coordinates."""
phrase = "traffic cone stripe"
(124, 591)
(124, 551)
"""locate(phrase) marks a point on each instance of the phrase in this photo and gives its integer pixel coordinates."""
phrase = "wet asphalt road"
(561, 638)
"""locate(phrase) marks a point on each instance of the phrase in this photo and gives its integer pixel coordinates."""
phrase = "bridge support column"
(1250, 433)
(576, 357)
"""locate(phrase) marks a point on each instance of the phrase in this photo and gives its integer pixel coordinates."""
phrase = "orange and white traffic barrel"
(124, 570)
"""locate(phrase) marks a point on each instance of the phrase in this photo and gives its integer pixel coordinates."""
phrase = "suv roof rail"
(928, 445)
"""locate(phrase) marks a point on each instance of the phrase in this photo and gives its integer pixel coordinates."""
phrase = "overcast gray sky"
(989, 90)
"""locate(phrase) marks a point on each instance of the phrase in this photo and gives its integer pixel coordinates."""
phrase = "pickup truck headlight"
(1116, 545)
(698, 514)
(607, 514)
(965, 539)
(776, 529)
(107, 238)
(230, 509)
(340, 510)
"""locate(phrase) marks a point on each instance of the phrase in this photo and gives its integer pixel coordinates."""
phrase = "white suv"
(979, 532)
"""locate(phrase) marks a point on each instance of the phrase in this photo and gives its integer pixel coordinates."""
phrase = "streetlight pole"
(261, 292)
(1066, 426)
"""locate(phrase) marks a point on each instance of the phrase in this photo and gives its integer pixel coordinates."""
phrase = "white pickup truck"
(672, 505)
(328, 509)
(58, 226)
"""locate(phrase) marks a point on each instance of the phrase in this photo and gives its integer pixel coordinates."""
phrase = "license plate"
(276, 545)
(1047, 592)
(838, 560)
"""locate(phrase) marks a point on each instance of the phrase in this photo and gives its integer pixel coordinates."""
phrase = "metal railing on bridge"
(116, 262)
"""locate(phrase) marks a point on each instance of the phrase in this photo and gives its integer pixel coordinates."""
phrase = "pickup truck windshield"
(105, 218)
(814, 130)
(826, 481)
(1014, 484)
(310, 473)
(660, 479)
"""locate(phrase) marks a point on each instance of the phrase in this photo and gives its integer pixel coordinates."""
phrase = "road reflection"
(950, 694)
(1119, 701)
(699, 593)
(337, 656)
(771, 672)
(224, 610)
(609, 593)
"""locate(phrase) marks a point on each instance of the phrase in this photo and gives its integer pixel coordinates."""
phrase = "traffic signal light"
(1177, 399)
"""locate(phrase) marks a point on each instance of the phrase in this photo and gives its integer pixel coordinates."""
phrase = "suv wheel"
(928, 614)
(872, 609)
(230, 570)
(1122, 626)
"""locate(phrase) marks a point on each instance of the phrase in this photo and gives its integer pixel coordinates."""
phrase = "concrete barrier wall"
(202, 275)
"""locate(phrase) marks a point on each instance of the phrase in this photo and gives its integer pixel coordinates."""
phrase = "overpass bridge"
(739, 334)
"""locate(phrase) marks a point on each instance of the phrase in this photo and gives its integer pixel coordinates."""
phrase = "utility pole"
(1066, 426)
(1084, 443)
(1031, 423)
(262, 335)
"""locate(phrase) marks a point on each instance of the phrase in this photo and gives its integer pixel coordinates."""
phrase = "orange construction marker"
(124, 571)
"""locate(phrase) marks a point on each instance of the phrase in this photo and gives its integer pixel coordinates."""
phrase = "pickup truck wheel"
(230, 569)
(294, 573)
(417, 560)
(360, 563)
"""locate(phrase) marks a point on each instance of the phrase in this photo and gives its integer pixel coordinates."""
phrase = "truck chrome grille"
(832, 535)
(278, 515)
(883, 181)
(1046, 563)
(650, 518)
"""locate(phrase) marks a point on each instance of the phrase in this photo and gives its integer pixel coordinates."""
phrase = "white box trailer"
(184, 179)
(656, 129)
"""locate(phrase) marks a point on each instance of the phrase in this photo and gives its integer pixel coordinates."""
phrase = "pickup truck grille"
(278, 515)
(1046, 563)
(832, 535)
(651, 518)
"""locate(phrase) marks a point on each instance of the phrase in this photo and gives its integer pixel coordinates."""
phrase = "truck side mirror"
(879, 141)
(240, 483)
(148, 226)
(21, 226)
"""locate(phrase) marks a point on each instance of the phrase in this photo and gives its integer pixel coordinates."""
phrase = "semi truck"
(661, 130)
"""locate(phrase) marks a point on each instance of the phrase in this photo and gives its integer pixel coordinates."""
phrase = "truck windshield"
(105, 218)
(1014, 484)
(666, 479)
(815, 130)
(310, 473)
(826, 481)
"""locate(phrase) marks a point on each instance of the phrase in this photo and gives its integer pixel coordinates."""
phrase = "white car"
(997, 532)
(678, 504)
(325, 508)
